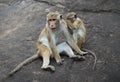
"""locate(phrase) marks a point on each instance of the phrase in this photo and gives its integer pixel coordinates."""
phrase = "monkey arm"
(70, 39)
(70, 24)
(80, 24)
(53, 47)
(55, 52)
(80, 28)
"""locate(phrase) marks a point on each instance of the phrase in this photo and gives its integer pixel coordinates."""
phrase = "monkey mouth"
(53, 28)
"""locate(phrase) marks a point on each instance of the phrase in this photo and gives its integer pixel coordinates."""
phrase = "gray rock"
(21, 21)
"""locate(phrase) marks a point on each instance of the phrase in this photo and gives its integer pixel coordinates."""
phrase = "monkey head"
(53, 19)
(71, 16)
(72, 20)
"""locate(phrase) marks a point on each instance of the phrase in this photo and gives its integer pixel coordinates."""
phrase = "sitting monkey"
(47, 43)
(78, 31)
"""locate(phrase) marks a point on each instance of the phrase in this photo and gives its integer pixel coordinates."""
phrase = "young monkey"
(47, 43)
(78, 31)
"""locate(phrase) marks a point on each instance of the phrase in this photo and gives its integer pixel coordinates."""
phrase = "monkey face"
(53, 19)
(52, 23)
(71, 17)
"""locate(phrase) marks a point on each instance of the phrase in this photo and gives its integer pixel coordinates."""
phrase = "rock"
(21, 21)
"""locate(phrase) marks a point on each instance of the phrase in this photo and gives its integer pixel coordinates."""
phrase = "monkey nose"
(52, 26)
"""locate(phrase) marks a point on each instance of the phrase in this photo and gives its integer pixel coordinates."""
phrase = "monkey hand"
(60, 62)
(78, 57)
(81, 57)
(82, 52)
(49, 68)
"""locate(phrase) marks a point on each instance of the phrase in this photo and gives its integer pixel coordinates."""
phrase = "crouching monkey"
(78, 31)
(46, 44)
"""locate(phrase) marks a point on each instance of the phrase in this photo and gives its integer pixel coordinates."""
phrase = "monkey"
(76, 28)
(43, 50)
(47, 43)
(78, 31)
(58, 25)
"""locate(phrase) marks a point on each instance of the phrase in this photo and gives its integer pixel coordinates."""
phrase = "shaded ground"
(22, 21)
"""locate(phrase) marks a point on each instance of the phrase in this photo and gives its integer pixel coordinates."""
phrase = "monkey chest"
(77, 32)
(55, 35)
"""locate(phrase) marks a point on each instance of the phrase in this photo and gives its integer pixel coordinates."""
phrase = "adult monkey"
(46, 45)
(76, 28)
(78, 31)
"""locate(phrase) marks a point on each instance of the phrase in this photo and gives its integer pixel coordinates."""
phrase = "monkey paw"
(82, 52)
(49, 68)
(60, 62)
(78, 57)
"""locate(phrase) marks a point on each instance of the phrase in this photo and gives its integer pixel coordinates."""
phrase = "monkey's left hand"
(60, 62)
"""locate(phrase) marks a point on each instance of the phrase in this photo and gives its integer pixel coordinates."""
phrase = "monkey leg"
(64, 47)
(79, 41)
(76, 36)
(45, 53)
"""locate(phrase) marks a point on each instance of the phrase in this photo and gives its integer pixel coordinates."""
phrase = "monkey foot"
(49, 68)
(60, 62)
(81, 58)
(82, 52)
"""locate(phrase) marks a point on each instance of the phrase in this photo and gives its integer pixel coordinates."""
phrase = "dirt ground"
(21, 21)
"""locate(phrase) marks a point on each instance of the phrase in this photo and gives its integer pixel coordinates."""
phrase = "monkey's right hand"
(82, 52)
(60, 62)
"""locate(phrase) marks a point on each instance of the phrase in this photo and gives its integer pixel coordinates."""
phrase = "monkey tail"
(94, 55)
(28, 60)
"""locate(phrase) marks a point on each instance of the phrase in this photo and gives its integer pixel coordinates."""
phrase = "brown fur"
(74, 24)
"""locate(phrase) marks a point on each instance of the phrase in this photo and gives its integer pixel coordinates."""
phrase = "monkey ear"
(75, 16)
(61, 17)
(56, 11)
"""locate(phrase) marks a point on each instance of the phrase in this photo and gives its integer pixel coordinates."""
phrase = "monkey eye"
(52, 20)
(60, 16)
(75, 16)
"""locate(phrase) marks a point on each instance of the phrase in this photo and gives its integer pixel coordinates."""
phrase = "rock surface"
(21, 21)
